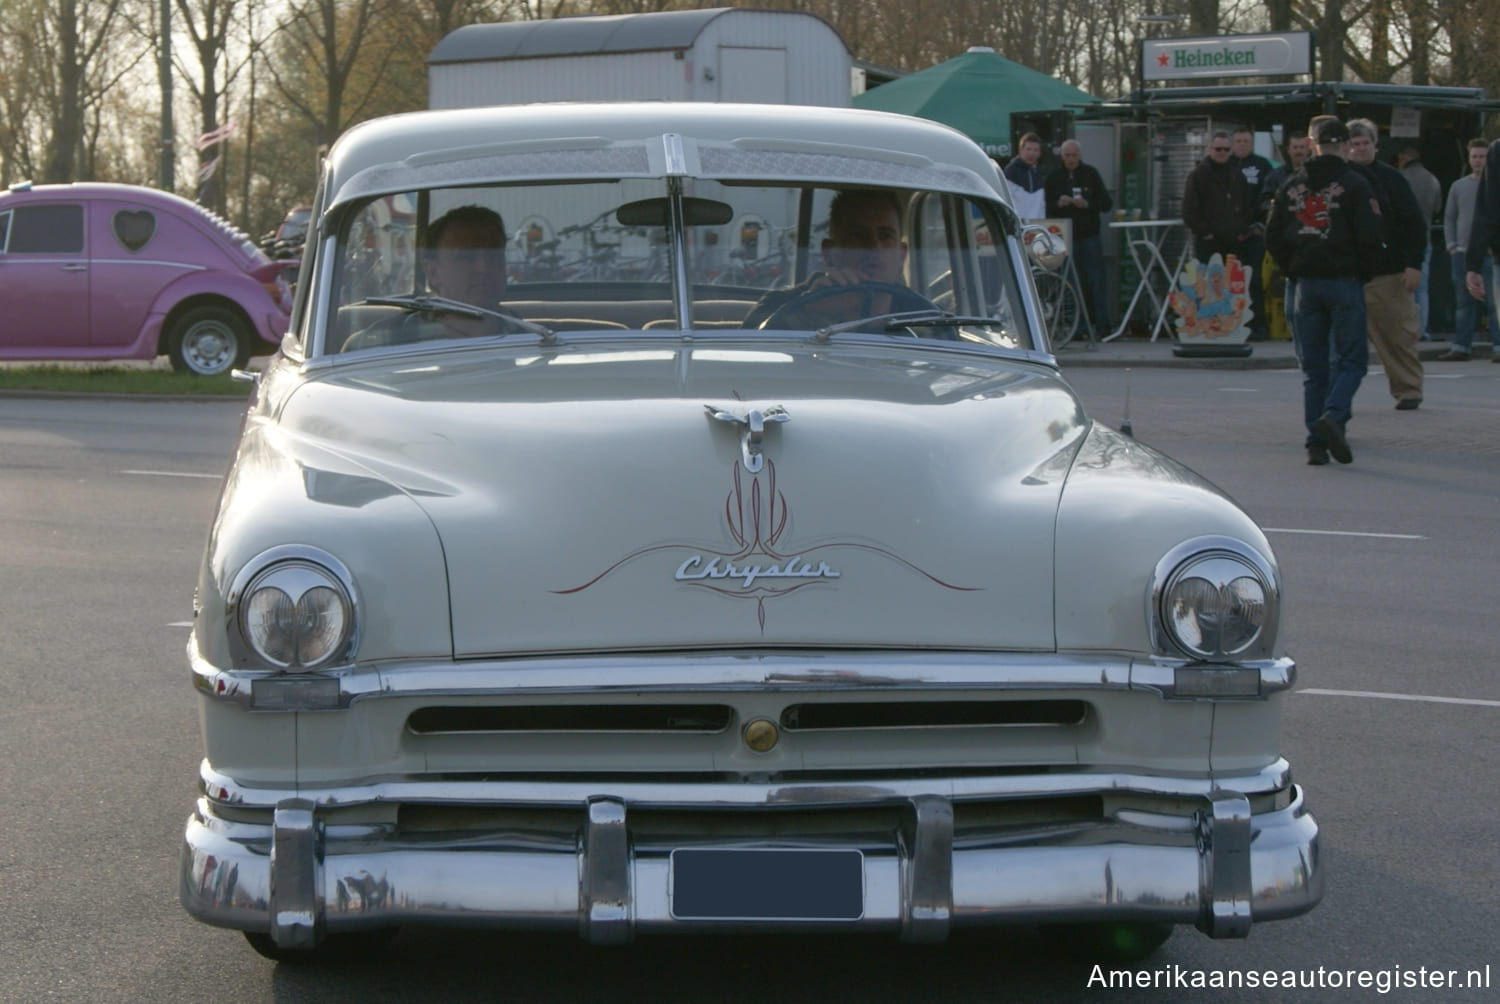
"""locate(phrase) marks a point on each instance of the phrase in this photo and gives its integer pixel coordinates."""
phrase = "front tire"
(357, 946)
(208, 341)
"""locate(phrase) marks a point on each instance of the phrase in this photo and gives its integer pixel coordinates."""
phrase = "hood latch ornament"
(754, 422)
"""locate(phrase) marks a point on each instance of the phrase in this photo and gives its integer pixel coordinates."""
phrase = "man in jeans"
(1325, 233)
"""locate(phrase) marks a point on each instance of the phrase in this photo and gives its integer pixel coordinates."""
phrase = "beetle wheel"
(208, 341)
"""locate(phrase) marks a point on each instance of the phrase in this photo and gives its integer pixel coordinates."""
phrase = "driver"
(864, 245)
(463, 258)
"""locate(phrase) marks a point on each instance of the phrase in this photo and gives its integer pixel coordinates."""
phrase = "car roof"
(21, 194)
(798, 143)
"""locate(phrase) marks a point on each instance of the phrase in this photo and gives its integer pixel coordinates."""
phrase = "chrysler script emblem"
(754, 422)
(758, 561)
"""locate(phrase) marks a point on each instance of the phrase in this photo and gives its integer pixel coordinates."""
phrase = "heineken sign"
(1226, 56)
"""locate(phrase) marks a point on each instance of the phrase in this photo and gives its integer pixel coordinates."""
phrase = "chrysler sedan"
(634, 593)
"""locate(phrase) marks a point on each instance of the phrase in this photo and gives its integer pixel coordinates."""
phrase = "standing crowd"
(1339, 239)
(1348, 233)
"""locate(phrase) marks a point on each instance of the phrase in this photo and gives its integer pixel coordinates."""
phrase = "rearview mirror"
(656, 212)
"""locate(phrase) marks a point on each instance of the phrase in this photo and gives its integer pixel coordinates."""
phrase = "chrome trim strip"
(1160, 675)
(761, 671)
(1223, 839)
(604, 894)
(224, 790)
(1109, 871)
(682, 284)
(295, 913)
(927, 878)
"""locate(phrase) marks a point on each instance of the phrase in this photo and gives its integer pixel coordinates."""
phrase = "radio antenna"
(1125, 428)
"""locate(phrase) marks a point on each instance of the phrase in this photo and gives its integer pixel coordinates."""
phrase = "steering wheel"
(795, 314)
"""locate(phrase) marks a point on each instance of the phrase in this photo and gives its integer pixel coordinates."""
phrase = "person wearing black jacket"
(1256, 170)
(1390, 297)
(1076, 192)
(1325, 232)
(1484, 235)
(1218, 206)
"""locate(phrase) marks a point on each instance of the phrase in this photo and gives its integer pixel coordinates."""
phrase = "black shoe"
(1454, 356)
(1408, 404)
(1331, 432)
(1317, 454)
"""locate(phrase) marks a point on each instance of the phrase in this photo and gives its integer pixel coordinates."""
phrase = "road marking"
(186, 624)
(1239, 390)
(174, 474)
(1425, 698)
(1347, 533)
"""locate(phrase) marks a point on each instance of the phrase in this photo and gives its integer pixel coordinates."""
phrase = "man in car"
(864, 245)
(463, 258)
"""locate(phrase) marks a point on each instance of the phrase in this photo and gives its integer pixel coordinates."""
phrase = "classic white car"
(605, 610)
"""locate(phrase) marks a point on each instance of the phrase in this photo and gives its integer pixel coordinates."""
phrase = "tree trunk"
(67, 116)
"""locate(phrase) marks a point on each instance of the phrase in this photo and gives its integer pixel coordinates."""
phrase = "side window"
(56, 229)
(133, 228)
(4, 228)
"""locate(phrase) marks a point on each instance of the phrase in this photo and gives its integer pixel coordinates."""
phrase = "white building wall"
(808, 55)
(817, 63)
(627, 76)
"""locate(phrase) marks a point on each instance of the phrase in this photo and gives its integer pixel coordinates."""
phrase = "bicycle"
(1061, 304)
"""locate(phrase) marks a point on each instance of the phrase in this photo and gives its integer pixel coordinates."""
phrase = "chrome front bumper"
(1221, 868)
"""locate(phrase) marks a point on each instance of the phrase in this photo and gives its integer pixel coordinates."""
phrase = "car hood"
(611, 497)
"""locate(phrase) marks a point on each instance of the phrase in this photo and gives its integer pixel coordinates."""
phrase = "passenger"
(864, 245)
(463, 258)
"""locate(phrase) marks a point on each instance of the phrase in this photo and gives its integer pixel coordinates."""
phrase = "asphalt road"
(1388, 563)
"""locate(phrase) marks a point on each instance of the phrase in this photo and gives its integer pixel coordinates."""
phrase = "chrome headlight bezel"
(297, 571)
(1220, 561)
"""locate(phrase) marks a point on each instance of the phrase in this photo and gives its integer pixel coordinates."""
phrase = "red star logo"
(1162, 59)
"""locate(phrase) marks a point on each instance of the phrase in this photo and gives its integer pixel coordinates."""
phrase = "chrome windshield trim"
(222, 789)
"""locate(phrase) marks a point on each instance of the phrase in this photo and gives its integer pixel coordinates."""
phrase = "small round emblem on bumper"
(761, 735)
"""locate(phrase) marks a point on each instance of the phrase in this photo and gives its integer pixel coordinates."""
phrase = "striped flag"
(213, 136)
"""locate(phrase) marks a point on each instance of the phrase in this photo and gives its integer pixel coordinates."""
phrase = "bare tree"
(322, 39)
(79, 33)
(209, 24)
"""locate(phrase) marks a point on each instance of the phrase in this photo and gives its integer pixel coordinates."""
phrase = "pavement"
(1275, 354)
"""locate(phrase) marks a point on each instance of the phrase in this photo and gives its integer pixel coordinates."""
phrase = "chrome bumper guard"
(300, 879)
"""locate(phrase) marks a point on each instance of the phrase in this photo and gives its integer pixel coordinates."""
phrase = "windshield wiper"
(426, 303)
(904, 319)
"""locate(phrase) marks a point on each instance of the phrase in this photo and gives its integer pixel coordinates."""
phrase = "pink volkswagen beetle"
(97, 271)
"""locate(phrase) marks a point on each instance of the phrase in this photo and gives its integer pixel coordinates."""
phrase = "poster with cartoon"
(1212, 301)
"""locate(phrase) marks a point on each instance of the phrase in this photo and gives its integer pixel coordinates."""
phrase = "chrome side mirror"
(1044, 247)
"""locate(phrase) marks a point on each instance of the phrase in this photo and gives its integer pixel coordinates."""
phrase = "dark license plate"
(767, 884)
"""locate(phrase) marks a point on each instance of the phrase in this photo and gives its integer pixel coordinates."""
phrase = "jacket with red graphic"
(1326, 224)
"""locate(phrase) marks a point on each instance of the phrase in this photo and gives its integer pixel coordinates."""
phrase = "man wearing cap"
(1390, 296)
(1325, 232)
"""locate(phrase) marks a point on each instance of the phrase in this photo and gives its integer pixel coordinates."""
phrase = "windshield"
(599, 256)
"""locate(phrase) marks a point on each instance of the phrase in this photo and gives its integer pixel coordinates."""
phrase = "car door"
(136, 251)
(44, 280)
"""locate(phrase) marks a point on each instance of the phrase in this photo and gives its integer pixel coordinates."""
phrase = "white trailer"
(720, 54)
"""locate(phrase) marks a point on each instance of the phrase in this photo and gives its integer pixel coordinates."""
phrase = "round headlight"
(296, 615)
(1217, 603)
